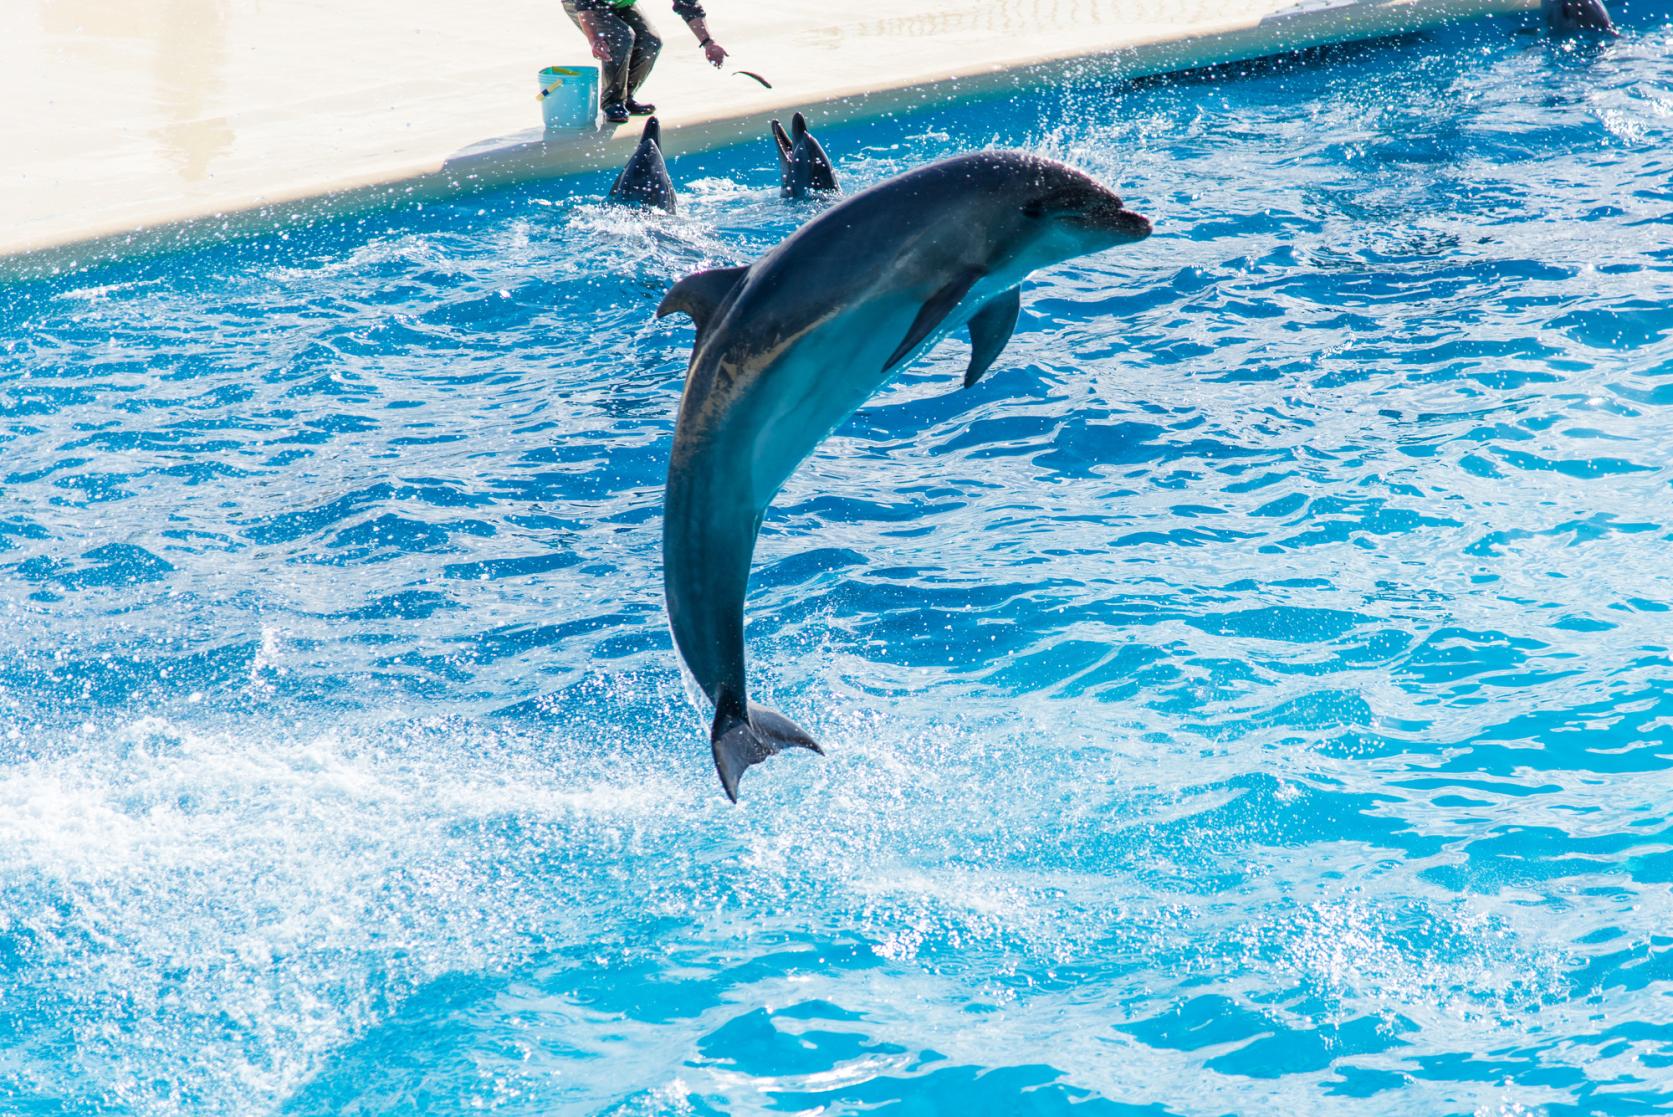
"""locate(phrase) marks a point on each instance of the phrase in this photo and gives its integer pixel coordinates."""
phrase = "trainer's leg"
(619, 38)
(647, 44)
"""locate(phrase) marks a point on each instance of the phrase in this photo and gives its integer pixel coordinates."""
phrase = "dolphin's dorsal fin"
(934, 312)
(990, 329)
(700, 294)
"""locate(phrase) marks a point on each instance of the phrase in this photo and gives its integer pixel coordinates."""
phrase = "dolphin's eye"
(1065, 199)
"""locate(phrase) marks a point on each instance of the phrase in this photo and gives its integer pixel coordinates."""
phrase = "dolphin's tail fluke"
(742, 741)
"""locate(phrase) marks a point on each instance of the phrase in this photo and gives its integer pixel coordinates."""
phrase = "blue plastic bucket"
(569, 97)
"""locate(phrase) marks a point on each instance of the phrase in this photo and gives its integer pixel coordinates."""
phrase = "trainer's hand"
(715, 53)
(601, 50)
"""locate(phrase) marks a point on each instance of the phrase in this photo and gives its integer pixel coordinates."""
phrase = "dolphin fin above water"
(990, 327)
(700, 296)
(990, 331)
(740, 741)
(933, 313)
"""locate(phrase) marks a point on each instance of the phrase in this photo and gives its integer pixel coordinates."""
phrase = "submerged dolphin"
(644, 181)
(803, 166)
(1570, 17)
(790, 346)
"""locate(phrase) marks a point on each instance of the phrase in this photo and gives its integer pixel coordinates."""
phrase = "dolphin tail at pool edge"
(741, 739)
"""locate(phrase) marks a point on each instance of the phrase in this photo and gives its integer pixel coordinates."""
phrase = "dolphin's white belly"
(828, 373)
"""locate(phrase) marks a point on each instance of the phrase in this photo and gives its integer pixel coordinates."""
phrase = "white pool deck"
(134, 125)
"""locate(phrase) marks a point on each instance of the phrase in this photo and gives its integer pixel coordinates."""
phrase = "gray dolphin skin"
(644, 181)
(789, 347)
(1574, 17)
(803, 166)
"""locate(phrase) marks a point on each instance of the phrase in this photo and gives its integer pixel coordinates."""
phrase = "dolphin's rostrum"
(790, 346)
(644, 181)
(803, 166)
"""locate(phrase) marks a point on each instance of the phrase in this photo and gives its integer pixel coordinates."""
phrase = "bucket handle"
(562, 72)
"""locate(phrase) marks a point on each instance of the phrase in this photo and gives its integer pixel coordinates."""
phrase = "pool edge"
(528, 156)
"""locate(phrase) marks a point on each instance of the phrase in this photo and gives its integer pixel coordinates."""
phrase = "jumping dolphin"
(803, 166)
(1570, 17)
(644, 181)
(788, 347)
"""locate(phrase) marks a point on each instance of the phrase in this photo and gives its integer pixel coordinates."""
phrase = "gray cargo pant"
(634, 45)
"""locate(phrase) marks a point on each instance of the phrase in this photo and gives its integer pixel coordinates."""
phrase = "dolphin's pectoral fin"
(934, 312)
(741, 742)
(699, 295)
(990, 330)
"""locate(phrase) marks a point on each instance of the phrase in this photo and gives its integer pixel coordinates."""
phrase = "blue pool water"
(1256, 697)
